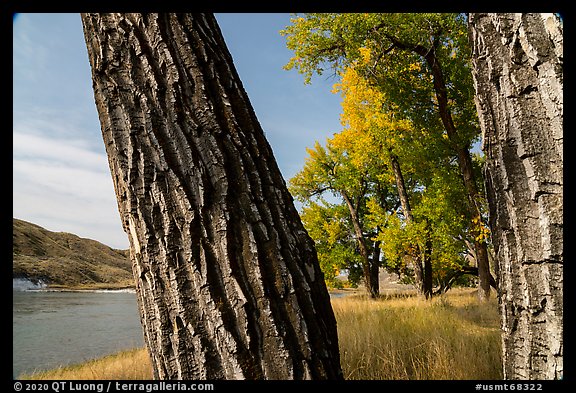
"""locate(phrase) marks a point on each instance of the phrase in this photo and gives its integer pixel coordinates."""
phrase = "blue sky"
(61, 179)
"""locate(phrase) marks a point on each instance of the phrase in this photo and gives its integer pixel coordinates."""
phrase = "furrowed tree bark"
(227, 278)
(518, 76)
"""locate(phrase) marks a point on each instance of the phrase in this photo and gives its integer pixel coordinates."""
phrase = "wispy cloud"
(75, 153)
(64, 185)
(86, 217)
(28, 57)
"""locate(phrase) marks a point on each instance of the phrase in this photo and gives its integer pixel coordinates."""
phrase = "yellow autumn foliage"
(367, 110)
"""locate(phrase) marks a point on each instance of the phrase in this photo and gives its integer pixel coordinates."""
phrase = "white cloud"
(64, 180)
(61, 174)
(71, 152)
(96, 219)
(63, 185)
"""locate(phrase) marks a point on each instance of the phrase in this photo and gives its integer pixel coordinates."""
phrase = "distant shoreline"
(25, 284)
(335, 293)
(98, 290)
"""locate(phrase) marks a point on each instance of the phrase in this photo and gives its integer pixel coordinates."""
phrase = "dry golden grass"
(450, 337)
(130, 365)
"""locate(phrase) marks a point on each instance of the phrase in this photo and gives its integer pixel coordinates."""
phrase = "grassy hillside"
(65, 260)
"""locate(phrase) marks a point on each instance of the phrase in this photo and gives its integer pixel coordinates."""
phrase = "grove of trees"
(403, 163)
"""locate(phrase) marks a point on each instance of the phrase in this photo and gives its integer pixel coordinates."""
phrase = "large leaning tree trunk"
(518, 75)
(228, 281)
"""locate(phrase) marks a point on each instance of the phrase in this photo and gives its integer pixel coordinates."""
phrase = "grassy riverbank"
(133, 365)
(450, 337)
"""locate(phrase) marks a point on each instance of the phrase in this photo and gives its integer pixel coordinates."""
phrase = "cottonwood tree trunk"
(375, 268)
(462, 153)
(422, 263)
(370, 276)
(518, 76)
(466, 169)
(228, 281)
(427, 263)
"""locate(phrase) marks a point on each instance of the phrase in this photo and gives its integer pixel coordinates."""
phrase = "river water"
(52, 329)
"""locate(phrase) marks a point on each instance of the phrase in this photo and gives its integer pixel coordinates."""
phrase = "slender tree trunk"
(401, 187)
(518, 75)
(464, 162)
(371, 286)
(375, 268)
(462, 152)
(427, 262)
(227, 279)
(483, 263)
(419, 273)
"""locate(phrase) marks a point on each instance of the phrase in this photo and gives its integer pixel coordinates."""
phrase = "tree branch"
(459, 273)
